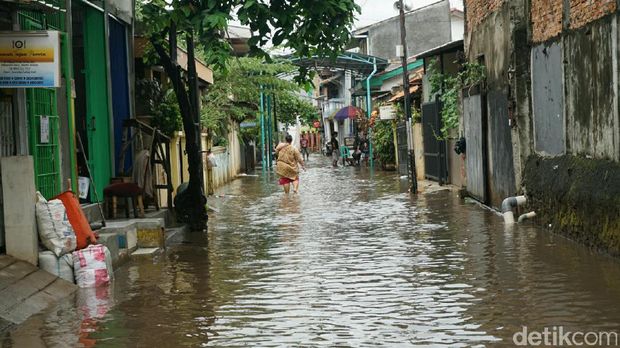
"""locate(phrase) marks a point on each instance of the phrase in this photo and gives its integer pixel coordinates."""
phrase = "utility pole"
(413, 180)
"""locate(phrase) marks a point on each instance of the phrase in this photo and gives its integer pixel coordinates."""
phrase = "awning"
(400, 95)
(378, 80)
(449, 47)
(43, 5)
(347, 61)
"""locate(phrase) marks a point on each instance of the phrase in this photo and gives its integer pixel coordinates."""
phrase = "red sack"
(83, 233)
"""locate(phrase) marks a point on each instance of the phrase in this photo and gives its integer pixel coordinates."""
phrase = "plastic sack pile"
(72, 252)
(55, 229)
(91, 266)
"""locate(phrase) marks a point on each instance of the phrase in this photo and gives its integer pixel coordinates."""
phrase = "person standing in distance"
(287, 166)
(335, 149)
(303, 142)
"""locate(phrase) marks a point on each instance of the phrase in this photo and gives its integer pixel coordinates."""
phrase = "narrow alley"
(353, 260)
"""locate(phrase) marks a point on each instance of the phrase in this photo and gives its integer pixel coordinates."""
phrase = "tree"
(300, 25)
(235, 94)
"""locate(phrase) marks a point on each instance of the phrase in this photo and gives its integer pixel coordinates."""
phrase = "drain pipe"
(529, 215)
(508, 204)
(369, 111)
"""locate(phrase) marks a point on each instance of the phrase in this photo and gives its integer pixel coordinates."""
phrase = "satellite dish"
(407, 6)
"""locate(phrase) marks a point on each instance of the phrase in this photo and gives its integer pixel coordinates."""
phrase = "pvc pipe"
(369, 111)
(508, 204)
(529, 215)
(262, 129)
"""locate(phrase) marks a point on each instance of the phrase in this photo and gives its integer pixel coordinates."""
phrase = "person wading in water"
(287, 166)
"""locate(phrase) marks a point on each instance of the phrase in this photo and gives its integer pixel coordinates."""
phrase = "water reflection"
(353, 260)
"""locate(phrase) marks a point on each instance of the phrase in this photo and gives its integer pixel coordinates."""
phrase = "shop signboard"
(387, 112)
(30, 59)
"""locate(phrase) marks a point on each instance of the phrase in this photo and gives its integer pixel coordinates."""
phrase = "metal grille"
(37, 20)
(435, 159)
(42, 102)
(7, 129)
(403, 151)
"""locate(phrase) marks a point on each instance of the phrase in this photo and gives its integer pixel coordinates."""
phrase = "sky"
(374, 11)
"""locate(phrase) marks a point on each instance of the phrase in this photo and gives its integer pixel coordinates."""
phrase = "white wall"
(458, 27)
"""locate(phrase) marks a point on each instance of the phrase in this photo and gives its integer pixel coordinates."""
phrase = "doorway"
(91, 103)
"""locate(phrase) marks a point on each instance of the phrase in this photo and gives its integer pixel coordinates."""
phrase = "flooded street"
(353, 260)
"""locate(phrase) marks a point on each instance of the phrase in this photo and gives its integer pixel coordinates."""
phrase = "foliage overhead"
(236, 95)
(160, 104)
(299, 25)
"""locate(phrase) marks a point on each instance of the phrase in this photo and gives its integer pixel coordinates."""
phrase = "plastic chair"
(345, 153)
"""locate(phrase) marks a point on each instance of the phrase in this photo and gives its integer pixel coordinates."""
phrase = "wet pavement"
(353, 260)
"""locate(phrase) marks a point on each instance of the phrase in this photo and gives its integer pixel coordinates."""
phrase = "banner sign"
(29, 59)
(387, 112)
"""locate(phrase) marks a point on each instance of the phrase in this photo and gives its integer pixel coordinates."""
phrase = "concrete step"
(145, 252)
(132, 234)
(27, 290)
(94, 215)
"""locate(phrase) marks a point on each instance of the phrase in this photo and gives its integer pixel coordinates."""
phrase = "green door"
(97, 113)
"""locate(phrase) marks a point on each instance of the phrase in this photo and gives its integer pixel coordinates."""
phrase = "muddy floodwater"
(351, 261)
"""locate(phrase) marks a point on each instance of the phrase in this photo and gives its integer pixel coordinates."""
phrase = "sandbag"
(92, 266)
(59, 266)
(55, 230)
(84, 234)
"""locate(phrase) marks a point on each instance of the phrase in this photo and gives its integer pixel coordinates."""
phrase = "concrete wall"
(123, 9)
(555, 63)
(228, 160)
(575, 84)
(591, 75)
(457, 26)
(427, 28)
(19, 216)
(577, 197)
(456, 164)
(418, 149)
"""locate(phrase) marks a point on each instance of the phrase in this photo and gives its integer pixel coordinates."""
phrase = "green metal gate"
(43, 119)
(44, 139)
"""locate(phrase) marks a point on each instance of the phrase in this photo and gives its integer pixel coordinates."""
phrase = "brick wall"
(583, 12)
(546, 19)
(478, 10)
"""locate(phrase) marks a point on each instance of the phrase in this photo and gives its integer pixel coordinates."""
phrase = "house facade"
(41, 121)
(546, 121)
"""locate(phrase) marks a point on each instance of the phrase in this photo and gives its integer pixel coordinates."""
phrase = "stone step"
(145, 252)
(27, 290)
(131, 235)
(94, 215)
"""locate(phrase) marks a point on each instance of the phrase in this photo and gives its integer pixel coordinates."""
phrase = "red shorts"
(285, 181)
